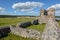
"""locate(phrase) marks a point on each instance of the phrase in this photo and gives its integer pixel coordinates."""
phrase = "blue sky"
(27, 7)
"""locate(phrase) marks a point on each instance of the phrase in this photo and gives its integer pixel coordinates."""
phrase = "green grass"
(59, 23)
(14, 21)
(39, 27)
(15, 37)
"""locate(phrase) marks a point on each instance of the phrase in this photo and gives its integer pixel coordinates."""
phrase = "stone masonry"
(26, 33)
(45, 14)
(52, 30)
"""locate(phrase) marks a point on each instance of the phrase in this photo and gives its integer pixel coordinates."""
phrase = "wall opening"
(45, 13)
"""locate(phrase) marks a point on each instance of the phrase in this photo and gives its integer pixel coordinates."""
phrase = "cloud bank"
(26, 6)
(2, 9)
(57, 8)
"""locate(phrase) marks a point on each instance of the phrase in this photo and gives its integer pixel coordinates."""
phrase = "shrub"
(4, 31)
(25, 24)
(35, 22)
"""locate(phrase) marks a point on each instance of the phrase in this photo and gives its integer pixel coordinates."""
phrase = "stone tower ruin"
(46, 14)
(52, 29)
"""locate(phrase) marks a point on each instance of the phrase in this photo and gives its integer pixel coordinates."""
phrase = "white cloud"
(27, 6)
(31, 12)
(56, 6)
(2, 9)
(15, 11)
(57, 9)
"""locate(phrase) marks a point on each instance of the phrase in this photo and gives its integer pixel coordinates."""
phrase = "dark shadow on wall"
(4, 31)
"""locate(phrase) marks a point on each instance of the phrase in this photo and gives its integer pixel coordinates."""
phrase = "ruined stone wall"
(46, 14)
(51, 13)
(20, 30)
(42, 18)
(51, 31)
(26, 33)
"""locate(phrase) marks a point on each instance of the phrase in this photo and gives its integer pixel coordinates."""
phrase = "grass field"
(9, 21)
(14, 21)
(15, 37)
(39, 27)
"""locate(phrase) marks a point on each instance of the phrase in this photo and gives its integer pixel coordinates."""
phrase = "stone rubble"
(51, 31)
(27, 33)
